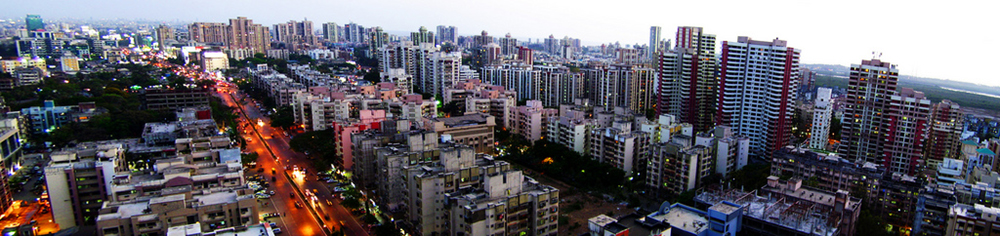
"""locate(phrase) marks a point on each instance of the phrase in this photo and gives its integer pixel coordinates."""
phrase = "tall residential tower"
(757, 90)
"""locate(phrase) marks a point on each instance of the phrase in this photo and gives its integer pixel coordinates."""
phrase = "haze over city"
(910, 34)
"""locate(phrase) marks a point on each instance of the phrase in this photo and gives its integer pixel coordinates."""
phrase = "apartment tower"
(757, 90)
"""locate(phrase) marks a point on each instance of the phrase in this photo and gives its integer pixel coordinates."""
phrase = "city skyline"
(902, 30)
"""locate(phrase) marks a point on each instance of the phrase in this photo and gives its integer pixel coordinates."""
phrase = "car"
(272, 192)
(297, 205)
(291, 195)
(277, 230)
(273, 225)
(329, 203)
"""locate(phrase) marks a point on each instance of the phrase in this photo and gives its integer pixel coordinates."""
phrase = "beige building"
(475, 130)
(156, 215)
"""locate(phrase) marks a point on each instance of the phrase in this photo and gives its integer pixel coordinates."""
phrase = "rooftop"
(683, 218)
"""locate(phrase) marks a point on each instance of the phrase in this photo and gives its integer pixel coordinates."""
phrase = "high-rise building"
(332, 32)
(208, 32)
(481, 40)
(422, 36)
(906, 128)
(871, 87)
(508, 45)
(296, 35)
(552, 45)
(444, 67)
(756, 91)
(244, 34)
(355, 33)
(447, 34)
(946, 131)
(688, 86)
(34, 23)
(164, 33)
(654, 42)
(526, 55)
(822, 115)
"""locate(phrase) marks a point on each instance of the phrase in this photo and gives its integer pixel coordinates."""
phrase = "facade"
(945, 131)
(173, 99)
(531, 120)
(620, 146)
(447, 189)
(473, 130)
(822, 115)
(78, 181)
(12, 140)
(214, 61)
(244, 34)
(757, 102)
(163, 34)
(688, 81)
(654, 42)
(447, 34)
(296, 35)
(332, 32)
(972, 220)
(907, 128)
(873, 83)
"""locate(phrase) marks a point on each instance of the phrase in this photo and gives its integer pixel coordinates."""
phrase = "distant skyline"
(944, 40)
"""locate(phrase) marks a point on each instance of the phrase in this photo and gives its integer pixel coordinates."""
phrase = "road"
(301, 219)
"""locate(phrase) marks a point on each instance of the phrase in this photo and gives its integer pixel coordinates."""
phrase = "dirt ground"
(589, 206)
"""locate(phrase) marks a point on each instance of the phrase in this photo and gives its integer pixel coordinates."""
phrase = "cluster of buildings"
(193, 176)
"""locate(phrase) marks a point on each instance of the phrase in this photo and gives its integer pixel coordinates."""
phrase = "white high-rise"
(654, 42)
(822, 112)
(757, 90)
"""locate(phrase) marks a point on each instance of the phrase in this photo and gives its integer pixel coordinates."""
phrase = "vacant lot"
(576, 207)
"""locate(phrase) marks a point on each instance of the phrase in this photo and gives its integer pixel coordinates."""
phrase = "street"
(297, 221)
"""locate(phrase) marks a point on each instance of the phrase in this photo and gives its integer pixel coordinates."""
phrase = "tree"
(835, 127)
(373, 76)
(452, 109)
(351, 203)
(283, 118)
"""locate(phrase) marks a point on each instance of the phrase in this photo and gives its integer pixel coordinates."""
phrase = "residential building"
(870, 90)
(332, 32)
(519, 78)
(526, 55)
(571, 129)
(531, 120)
(508, 45)
(822, 115)
(296, 35)
(244, 34)
(69, 63)
(448, 189)
(174, 99)
(473, 130)
(214, 61)
(654, 42)
(422, 36)
(758, 80)
(49, 117)
(557, 85)
(972, 220)
(945, 131)
(477, 97)
(687, 86)
(620, 146)
(907, 126)
(78, 181)
(163, 34)
(446, 34)
(10, 65)
(158, 215)
(12, 140)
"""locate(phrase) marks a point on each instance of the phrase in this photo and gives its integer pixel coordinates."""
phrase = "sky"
(954, 40)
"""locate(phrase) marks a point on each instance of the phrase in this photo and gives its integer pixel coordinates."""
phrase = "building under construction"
(785, 207)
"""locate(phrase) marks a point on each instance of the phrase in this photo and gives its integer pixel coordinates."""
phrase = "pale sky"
(953, 40)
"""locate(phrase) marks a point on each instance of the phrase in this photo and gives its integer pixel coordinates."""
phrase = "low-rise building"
(175, 98)
(531, 120)
(474, 130)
